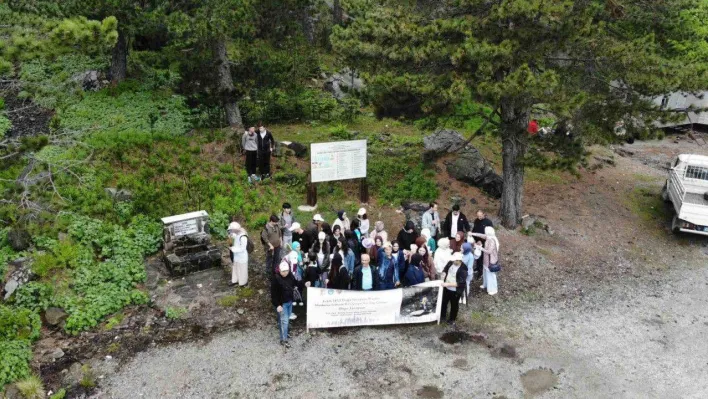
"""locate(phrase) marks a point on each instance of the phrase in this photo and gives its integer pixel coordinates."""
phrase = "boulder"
(19, 239)
(55, 316)
(468, 165)
(299, 149)
(343, 82)
(415, 206)
(89, 80)
(19, 277)
(415, 216)
(119, 194)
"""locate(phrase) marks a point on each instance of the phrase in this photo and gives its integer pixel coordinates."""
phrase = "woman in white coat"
(442, 254)
(490, 253)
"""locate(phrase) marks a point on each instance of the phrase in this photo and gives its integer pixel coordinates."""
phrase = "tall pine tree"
(588, 63)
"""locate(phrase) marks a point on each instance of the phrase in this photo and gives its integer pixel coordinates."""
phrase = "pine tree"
(587, 63)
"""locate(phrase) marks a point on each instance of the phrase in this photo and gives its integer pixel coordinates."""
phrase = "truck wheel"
(665, 193)
(675, 225)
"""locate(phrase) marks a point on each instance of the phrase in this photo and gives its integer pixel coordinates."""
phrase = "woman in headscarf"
(468, 259)
(379, 232)
(442, 254)
(414, 273)
(338, 275)
(363, 219)
(376, 250)
(342, 221)
(490, 257)
(456, 244)
(407, 236)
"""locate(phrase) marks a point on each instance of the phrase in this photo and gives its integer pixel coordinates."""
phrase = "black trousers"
(454, 300)
(264, 163)
(251, 162)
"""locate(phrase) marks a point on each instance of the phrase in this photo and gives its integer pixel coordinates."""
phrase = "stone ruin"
(187, 244)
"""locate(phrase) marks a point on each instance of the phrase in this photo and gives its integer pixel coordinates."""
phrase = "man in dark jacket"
(366, 277)
(478, 227)
(305, 238)
(266, 145)
(281, 296)
(270, 237)
(455, 221)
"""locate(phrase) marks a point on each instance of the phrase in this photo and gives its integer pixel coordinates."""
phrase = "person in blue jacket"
(414, 272)
(388, 268)
(400, 258)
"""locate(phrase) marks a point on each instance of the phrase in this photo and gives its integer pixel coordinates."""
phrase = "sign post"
(339, 160)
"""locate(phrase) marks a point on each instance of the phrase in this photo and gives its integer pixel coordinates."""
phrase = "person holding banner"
(281, 295)
(366, 277)
(388, 269)
(454, 281)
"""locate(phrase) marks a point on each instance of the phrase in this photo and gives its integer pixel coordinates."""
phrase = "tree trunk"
(337, 12)
(225, 84)
(119, 59)
(308, 23)
(514, 120)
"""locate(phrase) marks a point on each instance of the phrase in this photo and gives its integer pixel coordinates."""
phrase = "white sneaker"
(301, 304)
(482, 287)
(293, 316)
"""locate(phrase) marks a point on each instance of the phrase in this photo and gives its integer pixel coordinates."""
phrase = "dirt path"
(648, 344)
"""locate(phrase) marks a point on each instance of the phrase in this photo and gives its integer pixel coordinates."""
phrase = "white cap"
(367, 242)
(295, 226)
(322, 235)
(456, 256)
(362, 211)
(284, 266)
(234, 226)
(317, 218)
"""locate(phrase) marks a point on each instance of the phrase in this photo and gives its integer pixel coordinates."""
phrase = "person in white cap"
(281, 294)
(454, 278)
(322, 249)
(316, 225)
(238, 248)
(305, 238)
(363, 221)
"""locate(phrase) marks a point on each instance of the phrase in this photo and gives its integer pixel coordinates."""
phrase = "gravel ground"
(633, 339)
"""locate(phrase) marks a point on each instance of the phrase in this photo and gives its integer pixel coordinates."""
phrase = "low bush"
(31, 387)
(18, 324)
(35, 295)
(14, 362)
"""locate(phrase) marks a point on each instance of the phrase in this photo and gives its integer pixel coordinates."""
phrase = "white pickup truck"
(687, 189)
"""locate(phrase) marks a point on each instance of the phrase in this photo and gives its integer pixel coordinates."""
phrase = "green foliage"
(60, 394)
(276, 104)
(88, 377)
(5, 125)
(175, 313)
(218, 222)
(395, 181)
(125, 110)
(31, 387)
(18, 324)
(14, 362)
(34, 295)
(232, 300)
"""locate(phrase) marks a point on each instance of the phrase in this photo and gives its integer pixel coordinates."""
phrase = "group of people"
(257, 147)
(353, 254)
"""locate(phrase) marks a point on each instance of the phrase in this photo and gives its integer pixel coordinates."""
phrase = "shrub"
(174, 313)
(31, 387)
(18, 324)
(60, 394)
(5, 125)
(34, 295)
(14, 362)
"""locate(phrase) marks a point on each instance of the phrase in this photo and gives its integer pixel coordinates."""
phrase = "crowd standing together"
(350, 255)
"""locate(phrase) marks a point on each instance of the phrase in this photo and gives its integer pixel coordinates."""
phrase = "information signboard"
(340, 160)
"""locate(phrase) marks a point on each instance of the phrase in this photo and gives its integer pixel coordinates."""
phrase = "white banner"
(341, 308)
(339, 160)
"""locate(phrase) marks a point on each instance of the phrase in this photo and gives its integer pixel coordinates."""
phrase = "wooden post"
(311, 194)
(363, 191)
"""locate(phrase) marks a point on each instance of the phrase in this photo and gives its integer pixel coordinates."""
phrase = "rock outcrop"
(467, 165)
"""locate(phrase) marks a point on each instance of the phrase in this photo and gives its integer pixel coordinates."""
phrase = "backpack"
(249, 244)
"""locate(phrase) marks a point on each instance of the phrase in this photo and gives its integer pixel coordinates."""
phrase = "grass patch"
(175, 313)
(228, 301)
(646, 203)
(641, 178)
(549, 176)
(483, 319)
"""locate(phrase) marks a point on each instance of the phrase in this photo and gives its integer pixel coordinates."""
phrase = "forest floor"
(605, 302)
